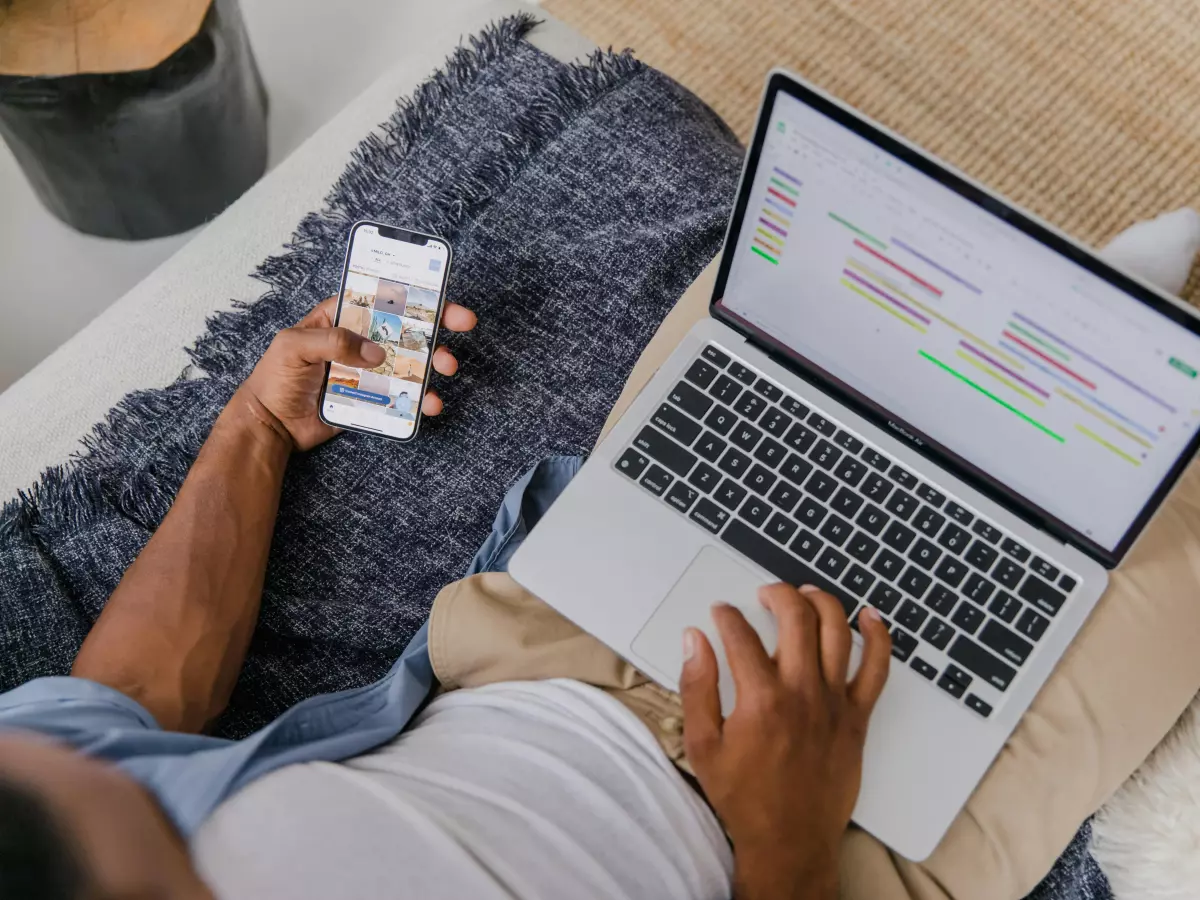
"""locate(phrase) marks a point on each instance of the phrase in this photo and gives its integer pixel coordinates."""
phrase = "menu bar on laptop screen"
(1062, 387)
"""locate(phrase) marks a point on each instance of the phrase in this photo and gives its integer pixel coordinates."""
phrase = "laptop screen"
(1062, 387)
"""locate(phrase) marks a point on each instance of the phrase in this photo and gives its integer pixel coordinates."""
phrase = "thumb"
(340, 345)
(701, 700)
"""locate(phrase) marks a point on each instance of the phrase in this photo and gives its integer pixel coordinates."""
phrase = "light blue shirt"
(190, 774)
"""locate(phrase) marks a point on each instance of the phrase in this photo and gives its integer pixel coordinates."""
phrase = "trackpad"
(712, 577)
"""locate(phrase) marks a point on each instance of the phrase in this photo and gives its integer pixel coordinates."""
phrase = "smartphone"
(392, 291)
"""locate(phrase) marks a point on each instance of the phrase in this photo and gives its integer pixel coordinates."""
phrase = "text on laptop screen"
(1059, 385)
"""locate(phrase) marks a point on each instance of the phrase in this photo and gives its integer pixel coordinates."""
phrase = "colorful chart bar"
(992, 373)
(778, 196)
(1038, 389)
(1103, 443)
(887, 309)
(784, 186)
(791, 178)
(886, 296)
(1012, 409)
(1117, 375)
(1046, 345)
(1054, 362)
(778, 206)
(772, 226)
(866, 237)
(1088, 408)
(925, 259)
(899, 268)
(772, 260)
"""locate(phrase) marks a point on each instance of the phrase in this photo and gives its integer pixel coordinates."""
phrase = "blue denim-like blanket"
(581, 200)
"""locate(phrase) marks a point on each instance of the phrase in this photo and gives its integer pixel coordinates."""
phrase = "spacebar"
(778, 561)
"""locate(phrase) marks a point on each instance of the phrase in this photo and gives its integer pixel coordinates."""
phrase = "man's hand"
(783, 771)
(284, 390)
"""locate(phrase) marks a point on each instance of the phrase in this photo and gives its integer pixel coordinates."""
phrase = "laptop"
(908, 392)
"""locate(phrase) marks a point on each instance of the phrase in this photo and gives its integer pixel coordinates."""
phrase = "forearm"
(174, 633)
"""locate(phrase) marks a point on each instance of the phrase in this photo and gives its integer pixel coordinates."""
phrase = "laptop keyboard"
(810, 502)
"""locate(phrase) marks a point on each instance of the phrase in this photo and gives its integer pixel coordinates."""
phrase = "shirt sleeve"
(83, 714)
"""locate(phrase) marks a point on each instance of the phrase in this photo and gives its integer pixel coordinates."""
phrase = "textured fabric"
(530, 789)
(1084, 112)
(580, 200)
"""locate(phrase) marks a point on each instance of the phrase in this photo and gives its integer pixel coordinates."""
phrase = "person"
(551, 788)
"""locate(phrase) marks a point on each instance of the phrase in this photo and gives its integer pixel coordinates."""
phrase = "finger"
(798, 652)
(458, 318)
(431, 404)
(321, 315)
(444, 362)
(314, 345)
(701, 699)
(877, 658)
(748, 661)
(833, 635)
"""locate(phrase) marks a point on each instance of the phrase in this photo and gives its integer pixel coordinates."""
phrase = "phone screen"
(391, 292)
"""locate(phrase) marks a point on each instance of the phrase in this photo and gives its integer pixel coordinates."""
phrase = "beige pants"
(1115, 694)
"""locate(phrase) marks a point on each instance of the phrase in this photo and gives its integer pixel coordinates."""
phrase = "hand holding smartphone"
(392, 292)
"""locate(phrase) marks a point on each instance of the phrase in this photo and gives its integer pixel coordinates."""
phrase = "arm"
(783, 771)
(174, 633)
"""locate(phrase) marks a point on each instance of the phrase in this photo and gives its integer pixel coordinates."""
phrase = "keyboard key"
(952, 571)
(846, 502)
(836, 530)
(1067, 583)
(923, 668)
(924, 554)
(794, 406)
(768, 390)
(704, 477)
(745, 435)
(938, 633)
(700, 373)
(876, 488)
(681, 496)
(1008, 645)
(1035, 591)
(903, 644)
(759, 480)
(632, 463)
(755, 511)
(795, 469)
(710, 446)
(969, 618)
(676, 424)
(848, 442)
(750, 406)
(1032, 625)
(825, 454)
(734, 463)
(875, 459)
(932, 496)
(776, 422)
(821, 486)
(690, 400)
(781, 528)
(978, 589)
(850, 470)
(823, 425)
(1004, 606)
(1008, 572)
(872, 519)
(766, 553)
(656, 480)
(832, 564)
(862, 547)
(811, 512)
(884, 598)
(1015, 550)
(928, 522)
(974, 658)
(915, 582)
(988, 532)
(951, 686)
(901, 504)
(981, 556)
(858, 580)
(800, 438)
(661, 448)
(730, 494)
(807, 545)
(725, 389)
(770, 452)
(941, 600)
(709, 515)
(785, 496)
(715, 356)
(911, 616)
(742, 373)
(720, 419)
(984, 709)
(888, 564)
(903, 477)
(898, 536)
(1046, 569)
(958, 514)
(954, 539)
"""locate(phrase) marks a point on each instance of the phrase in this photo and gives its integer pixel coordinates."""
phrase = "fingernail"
(689, 644)
(808, 588)
(873, 614)
(720, 604)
